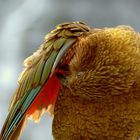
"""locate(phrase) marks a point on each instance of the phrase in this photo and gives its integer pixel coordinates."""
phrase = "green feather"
(65, 47)
(38, 73)
(30, 98)
(59, 43)
(15, 116)
(30, 80)
(39, 68)
(48, 67)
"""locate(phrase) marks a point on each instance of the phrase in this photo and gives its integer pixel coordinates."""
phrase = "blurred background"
(24, 23)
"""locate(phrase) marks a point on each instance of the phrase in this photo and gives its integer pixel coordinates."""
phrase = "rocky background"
(23, 24)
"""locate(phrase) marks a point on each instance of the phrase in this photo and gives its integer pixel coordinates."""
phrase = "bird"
(87, 79)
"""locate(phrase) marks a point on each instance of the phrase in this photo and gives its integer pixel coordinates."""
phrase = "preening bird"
(88, 79)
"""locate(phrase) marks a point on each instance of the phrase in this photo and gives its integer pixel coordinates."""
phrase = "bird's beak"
(61, 53)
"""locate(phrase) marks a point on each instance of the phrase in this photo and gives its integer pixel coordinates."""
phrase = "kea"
(87, 79)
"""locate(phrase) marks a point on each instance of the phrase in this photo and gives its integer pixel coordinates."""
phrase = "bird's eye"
(79, 74)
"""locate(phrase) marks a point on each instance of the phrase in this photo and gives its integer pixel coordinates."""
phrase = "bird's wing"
(39, 67)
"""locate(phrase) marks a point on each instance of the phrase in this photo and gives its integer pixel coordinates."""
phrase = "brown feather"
(101, 100)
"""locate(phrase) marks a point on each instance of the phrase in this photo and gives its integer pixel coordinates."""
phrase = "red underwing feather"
(47, 95)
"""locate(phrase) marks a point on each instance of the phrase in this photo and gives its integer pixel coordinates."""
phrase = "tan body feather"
(102, 98)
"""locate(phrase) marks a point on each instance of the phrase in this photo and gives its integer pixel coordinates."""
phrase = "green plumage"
(38, 69)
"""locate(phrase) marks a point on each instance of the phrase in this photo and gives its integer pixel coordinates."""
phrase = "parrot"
(87, 79)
